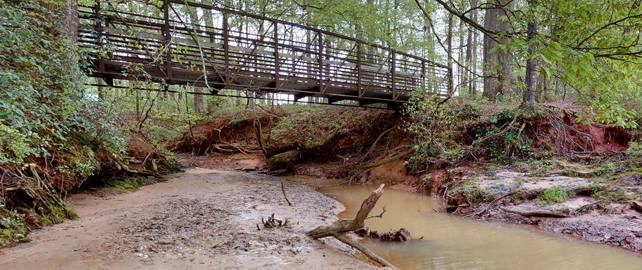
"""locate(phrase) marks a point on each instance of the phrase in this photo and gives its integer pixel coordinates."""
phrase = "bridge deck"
(243, 51)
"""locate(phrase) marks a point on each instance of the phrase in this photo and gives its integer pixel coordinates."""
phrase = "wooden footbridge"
(228, 49)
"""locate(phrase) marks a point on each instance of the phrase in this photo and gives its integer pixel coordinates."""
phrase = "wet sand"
(199, 219)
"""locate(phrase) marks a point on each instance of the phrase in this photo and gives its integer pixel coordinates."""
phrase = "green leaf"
(4, 80)
(547, 70)
(496, 67)
(520, 84)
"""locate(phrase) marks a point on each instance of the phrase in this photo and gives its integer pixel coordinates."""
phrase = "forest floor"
(198, 219)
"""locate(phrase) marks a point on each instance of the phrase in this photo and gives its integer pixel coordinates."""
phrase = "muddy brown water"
(455, 243)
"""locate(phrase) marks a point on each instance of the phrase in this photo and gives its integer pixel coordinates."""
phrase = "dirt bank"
(199, 219)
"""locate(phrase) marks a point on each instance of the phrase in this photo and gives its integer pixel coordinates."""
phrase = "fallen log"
(534, 213)
(339, 229)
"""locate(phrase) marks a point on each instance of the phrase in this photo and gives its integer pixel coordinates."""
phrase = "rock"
(283, 161)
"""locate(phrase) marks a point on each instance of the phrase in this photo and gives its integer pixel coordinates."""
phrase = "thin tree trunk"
(198, 100)
(469, 55)
(473, 84)
(449, 41)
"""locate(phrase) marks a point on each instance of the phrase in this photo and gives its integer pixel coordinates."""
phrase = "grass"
(556, 194)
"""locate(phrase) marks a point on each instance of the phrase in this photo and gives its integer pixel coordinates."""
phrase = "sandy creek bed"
(199, 219)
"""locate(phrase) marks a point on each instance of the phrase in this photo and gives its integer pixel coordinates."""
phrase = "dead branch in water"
(338, 229)
(535, 213)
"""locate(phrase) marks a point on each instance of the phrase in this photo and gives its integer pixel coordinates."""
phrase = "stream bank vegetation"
(53, 136)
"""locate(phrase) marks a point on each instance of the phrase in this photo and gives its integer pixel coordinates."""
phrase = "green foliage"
(445, 130)
(610, 194)
(556, 194)
(235, 121)
(12, 227)
(43, 104)
(634, 152)
(592, 47)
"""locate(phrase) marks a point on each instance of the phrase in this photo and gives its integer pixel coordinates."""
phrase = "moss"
(283, 160)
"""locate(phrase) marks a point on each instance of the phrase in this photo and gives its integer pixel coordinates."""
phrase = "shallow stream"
(456, 243)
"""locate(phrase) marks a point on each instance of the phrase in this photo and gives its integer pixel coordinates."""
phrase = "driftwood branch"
(285, 194)
(493, 202)
(379, 215)
(347, 240)
(535, 213)
(338, 229)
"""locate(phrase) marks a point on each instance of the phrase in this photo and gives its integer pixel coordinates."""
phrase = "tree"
(584, 46)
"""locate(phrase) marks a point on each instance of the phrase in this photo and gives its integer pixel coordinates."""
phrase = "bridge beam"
(298, 96)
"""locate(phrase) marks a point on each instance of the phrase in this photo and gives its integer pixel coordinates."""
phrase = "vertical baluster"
(423, 74)
(277, 67)
(320, 55)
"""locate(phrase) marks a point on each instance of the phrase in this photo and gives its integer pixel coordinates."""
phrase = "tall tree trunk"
(491, 83)
(531, 65)
(469, 55)
(504, 56)
(461, 73)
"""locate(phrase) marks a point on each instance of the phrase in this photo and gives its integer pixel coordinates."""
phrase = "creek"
(455, 243)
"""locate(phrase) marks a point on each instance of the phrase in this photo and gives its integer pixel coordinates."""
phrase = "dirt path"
(199, 219)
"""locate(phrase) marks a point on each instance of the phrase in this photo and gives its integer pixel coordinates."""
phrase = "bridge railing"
(176, 43)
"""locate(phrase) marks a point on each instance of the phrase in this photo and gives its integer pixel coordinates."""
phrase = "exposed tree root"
(376, 141)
